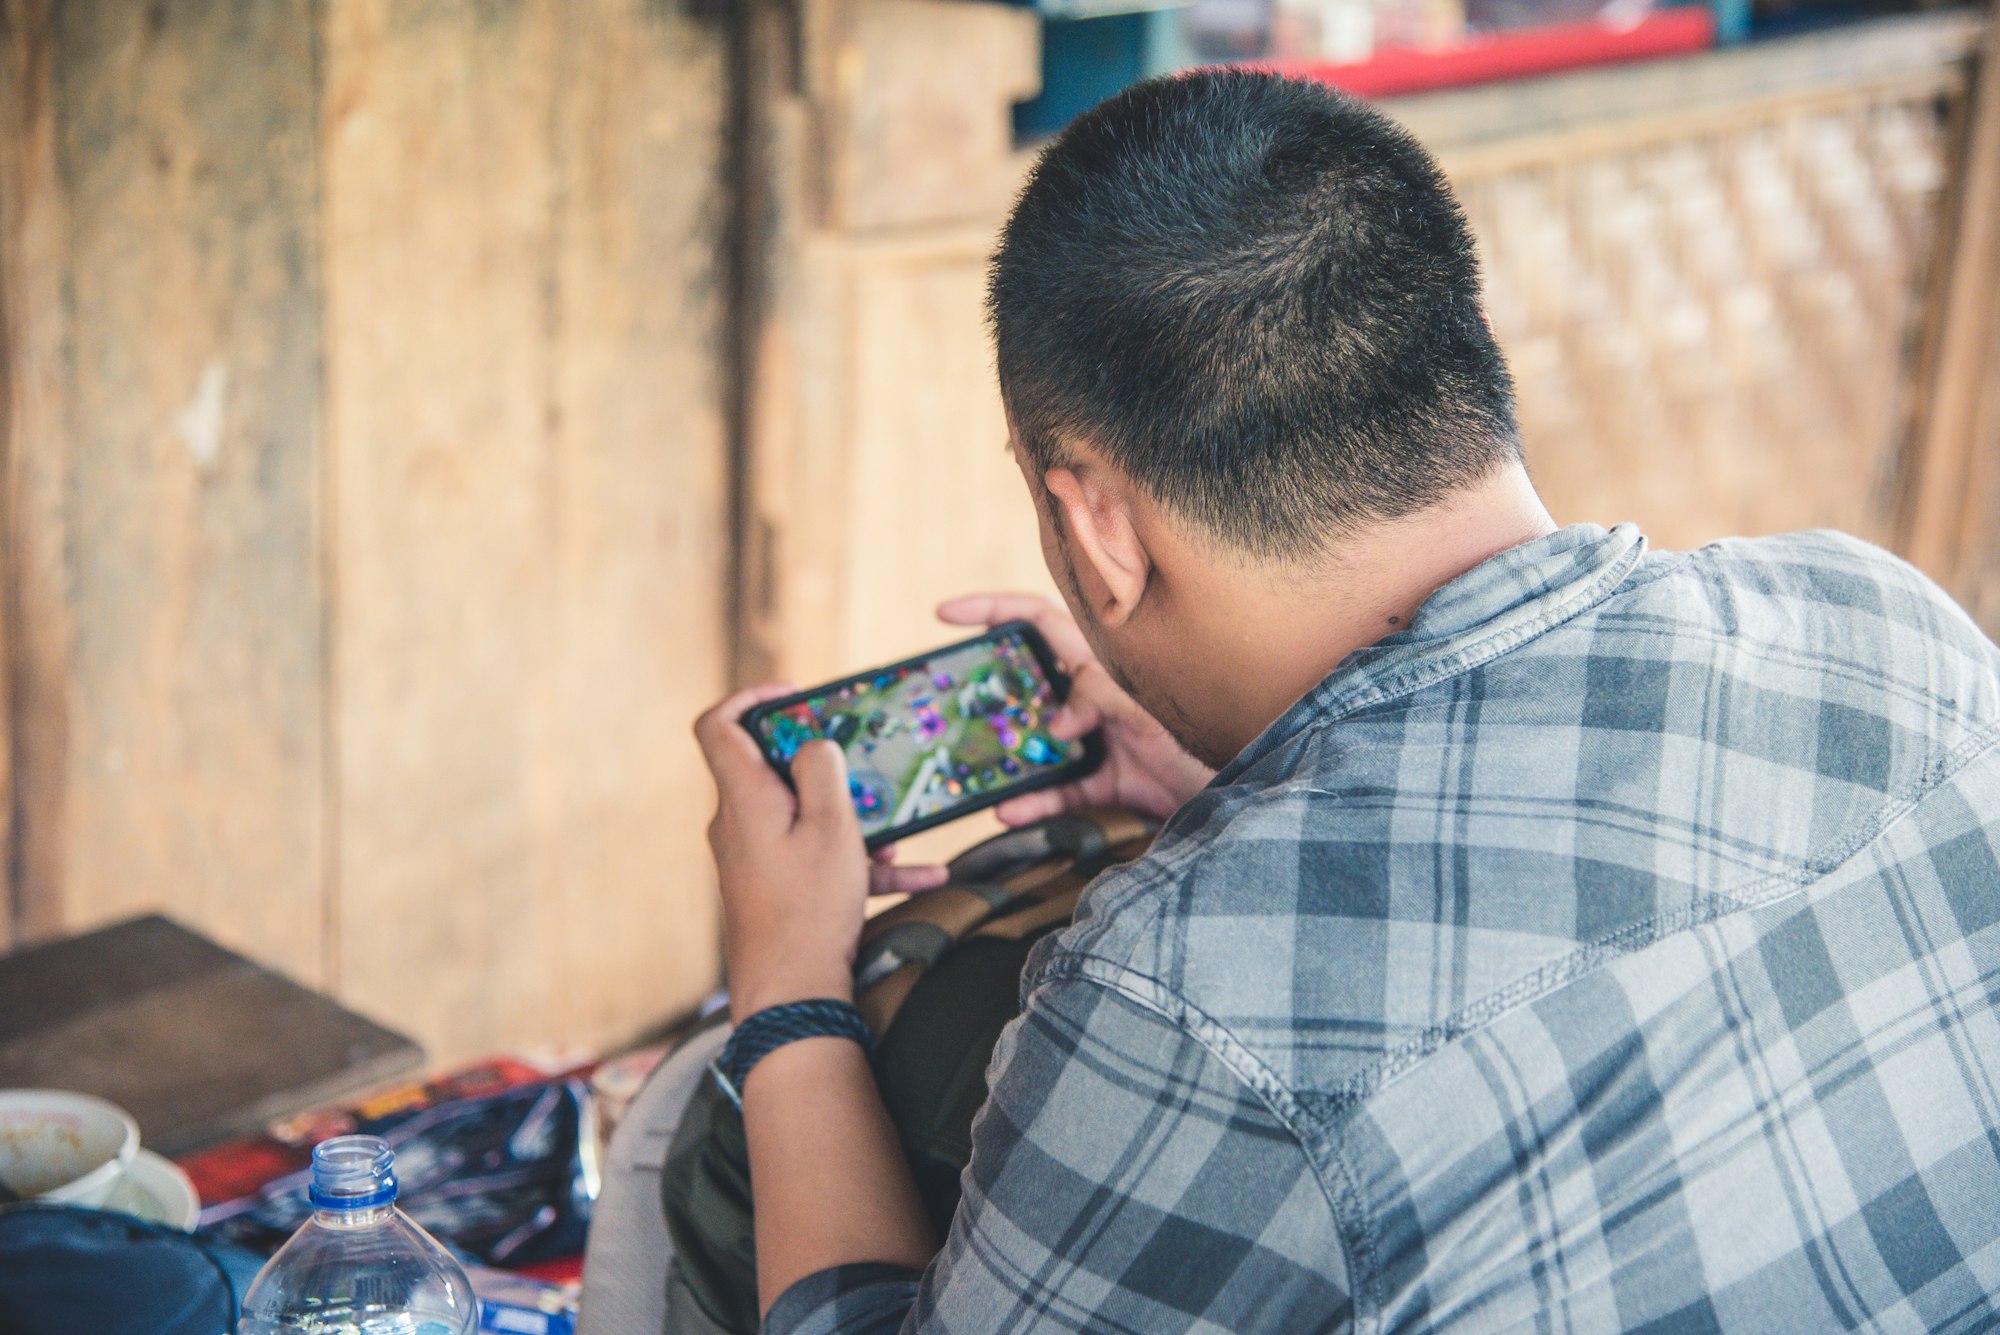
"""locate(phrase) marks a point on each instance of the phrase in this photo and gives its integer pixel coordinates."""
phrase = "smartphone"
(934, 737)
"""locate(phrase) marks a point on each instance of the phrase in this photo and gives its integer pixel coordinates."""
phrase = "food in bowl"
(70, 1149)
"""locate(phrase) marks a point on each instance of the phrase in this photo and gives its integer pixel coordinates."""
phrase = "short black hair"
(1259, 298)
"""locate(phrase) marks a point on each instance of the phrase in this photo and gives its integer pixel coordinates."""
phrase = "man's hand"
(1144, 768)
(794, 874)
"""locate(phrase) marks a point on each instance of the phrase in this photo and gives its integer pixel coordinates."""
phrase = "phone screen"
(937, 736)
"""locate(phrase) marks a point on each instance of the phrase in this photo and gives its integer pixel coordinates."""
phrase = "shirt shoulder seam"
(1343, 1195)
(1429, 670)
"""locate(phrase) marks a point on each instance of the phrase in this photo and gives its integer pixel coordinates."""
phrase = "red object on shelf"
(1486, 57)
(565, 1270)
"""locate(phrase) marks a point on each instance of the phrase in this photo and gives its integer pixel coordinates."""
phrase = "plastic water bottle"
(359, 1266)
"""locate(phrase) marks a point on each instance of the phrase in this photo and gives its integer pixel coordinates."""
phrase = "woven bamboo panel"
(1711, 323)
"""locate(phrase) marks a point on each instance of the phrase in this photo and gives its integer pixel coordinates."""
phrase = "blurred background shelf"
(1514, 54)
(1385, 48)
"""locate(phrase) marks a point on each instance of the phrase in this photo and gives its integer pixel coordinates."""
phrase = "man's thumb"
(819, 772)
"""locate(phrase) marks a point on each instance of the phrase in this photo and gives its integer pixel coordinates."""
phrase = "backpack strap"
(1012, 885)
(1084, 837)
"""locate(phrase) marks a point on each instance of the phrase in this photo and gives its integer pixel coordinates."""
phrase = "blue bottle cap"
(353, 1173)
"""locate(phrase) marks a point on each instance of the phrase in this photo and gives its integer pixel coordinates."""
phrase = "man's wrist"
(771, 1030)
(834, 985)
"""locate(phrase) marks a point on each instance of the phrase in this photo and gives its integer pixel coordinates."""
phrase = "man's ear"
(1113, 566)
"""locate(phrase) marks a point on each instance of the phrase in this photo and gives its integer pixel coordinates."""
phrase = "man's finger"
(986, 609)
(1031, 807)
(819, 773)
(1075, 719)
(905, 880)
(739, 767)
(723, 719)
(990, 609)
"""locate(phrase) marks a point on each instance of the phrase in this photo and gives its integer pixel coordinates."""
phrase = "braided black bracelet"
(773, 1027)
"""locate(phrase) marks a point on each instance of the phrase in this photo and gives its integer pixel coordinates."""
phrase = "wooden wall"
(366, 523)
(879, 478)
(1950, 509)
(32, 610)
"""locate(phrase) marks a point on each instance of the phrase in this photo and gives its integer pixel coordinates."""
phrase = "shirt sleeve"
(1122, 1179)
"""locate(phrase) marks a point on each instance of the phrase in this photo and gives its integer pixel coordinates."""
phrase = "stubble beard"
(1160, 704)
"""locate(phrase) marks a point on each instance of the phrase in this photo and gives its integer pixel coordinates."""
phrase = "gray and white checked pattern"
(1616, 949)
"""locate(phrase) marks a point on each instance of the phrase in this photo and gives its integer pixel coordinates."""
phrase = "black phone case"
(1093, 743)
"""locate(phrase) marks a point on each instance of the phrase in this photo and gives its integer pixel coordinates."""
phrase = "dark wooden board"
(195, 1041)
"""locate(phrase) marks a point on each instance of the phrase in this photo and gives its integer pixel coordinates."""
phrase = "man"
(1573, 937)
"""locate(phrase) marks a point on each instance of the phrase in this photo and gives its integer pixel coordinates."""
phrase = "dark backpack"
(66, 1269)
(937, 977)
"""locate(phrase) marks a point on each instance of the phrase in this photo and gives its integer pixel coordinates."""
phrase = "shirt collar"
(1500, 603)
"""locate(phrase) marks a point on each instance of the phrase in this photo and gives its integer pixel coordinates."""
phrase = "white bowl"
(155, 1190)
(67, 1148)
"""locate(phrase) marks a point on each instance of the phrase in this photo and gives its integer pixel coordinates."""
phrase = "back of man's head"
(1259, 299)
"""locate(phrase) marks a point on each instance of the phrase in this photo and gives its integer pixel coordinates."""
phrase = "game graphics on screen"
(923, 738)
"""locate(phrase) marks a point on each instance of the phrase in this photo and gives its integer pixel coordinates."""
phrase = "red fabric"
(1511, 55)
(555, 1272)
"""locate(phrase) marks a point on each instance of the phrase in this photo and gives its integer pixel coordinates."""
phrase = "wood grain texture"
(1978, 582)
(530, 512)
(185, 149)
(195, 1041)
(934, 504)
(907, 134)
(640, 544)
(33, 450)
(1948, 510)
(365, 525)
(876, 443)
(895, 490)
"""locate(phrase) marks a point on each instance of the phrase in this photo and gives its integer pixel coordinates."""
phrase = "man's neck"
(1287, 633)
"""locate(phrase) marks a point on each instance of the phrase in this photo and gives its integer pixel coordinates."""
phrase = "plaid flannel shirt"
(1614, 949)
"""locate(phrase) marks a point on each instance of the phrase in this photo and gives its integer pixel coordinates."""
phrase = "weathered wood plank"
(439, 228)
(528, 456)
(934, 506)
(1949, 486)
(16, 64)
(907, 135)
(1978, 584)
(33, 615)
(639, 542)
(877, 472)
(185, 147)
